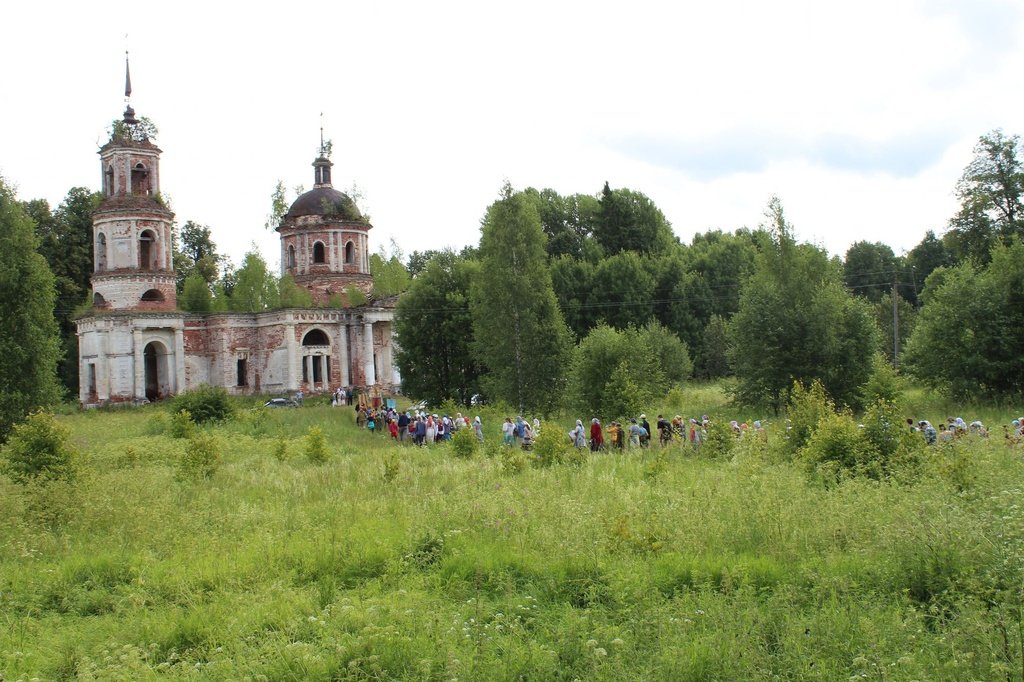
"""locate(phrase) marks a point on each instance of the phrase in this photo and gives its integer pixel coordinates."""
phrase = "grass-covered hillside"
(391, 562)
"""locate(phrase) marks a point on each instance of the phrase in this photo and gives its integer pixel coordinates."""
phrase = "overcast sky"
(859, 116)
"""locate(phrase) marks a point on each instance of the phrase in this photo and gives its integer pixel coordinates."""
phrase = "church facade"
(135, 345)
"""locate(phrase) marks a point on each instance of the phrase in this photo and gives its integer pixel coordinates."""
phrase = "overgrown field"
(388, 562)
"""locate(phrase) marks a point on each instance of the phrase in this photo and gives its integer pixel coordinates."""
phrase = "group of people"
(637, 432)
(420, 428)
(423, 428)
(957, 427)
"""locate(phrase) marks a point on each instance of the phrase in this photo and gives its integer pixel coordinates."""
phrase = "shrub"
(201, 458)
(205, 404)
(883, 384)
(838, 447)
(551, 447)
(280, 450)
(392, 466)
(181, 425)
(37, 450)
(316, 446)
(719, 440)
(896, 448)
(512, 461)
(464, 443)
(807, 406)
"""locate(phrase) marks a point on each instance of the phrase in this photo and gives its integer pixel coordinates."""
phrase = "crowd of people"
(423, 428)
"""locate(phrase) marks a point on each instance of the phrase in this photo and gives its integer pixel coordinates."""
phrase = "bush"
(316, 446)
(37, 450)
(512, 461)
(551, 447)
(896, 448)
(201, 458)
(181, 425)
(205, 404)
(719, 440)
(464, 443)
(807, 407)
(838, 447)
(280, 450)
(883, 384)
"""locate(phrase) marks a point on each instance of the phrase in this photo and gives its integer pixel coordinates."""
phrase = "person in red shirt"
(596, 436)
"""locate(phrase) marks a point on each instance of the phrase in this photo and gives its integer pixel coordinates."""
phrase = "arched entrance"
(154, 357)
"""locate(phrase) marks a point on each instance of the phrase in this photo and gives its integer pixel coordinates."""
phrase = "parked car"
(280, 402)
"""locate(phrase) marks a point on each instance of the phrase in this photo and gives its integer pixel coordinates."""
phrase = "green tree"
(568, 222)
(278, 206)
(291, 295)
(195, 252)
(622, 291)
(434, 332)
(797, 322)
(572, 281)
(629, 221)
(255, 289)
(969, 335)
(520, 337)
(929, 255)
(713, 362)
(869, 269)
(195, 296)
(29, 337)
(990, 193)
(65, 240)
(390, 277)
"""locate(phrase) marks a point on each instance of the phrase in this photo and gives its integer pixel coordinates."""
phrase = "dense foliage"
(29, 336)
(969, 337)
(796, 322)
(519, 336)
(434, 331)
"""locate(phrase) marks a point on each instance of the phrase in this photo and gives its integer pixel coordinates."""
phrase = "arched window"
(318, 253)
(315, 337)
(153, 296)
(350, 253)
(101, 251)
(108, 181)
(98, 301)
(147, 250)
(291, 257)
(140, 180)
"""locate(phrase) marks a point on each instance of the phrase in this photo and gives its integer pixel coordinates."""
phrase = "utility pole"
(895, 325)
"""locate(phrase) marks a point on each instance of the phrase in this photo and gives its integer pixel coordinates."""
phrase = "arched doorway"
(154, 357)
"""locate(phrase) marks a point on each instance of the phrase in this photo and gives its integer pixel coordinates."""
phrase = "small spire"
(321, 133)
(129, 113)
(127, 77)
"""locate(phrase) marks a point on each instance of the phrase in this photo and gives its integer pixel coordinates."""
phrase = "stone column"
(139, 390)
(308, 362)
(343, 352)
(368, 372)
(179, 360)
(293, 379)
(102, 366)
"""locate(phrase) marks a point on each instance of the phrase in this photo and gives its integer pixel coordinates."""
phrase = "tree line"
(566, 292)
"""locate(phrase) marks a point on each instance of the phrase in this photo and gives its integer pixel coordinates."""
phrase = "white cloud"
(860, 117)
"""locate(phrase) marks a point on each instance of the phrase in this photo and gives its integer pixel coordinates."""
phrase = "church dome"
(325, 201)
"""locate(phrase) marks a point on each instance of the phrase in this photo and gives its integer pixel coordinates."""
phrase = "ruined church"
(135, 345)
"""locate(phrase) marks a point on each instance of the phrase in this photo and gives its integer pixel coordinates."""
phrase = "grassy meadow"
(391, 562)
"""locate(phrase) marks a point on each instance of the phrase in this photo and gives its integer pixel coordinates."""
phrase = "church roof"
(327, 202)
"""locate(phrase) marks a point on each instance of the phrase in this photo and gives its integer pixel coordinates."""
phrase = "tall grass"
(451, 567)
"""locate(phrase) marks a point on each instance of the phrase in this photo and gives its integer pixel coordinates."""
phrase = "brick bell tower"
(132, 265)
